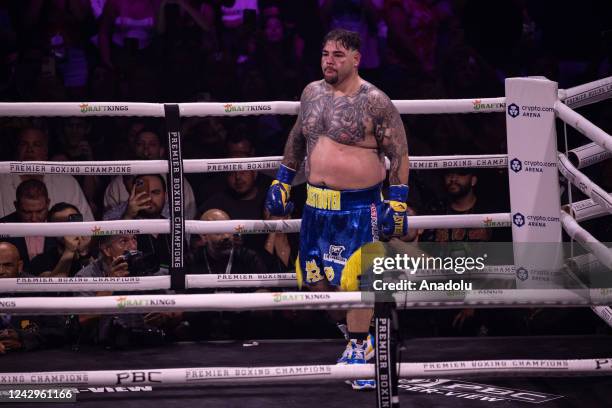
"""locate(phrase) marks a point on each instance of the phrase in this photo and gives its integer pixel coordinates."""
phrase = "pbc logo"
(518, 219)
(516, 165)
(522, 274)
(513, 110)
(135, 377)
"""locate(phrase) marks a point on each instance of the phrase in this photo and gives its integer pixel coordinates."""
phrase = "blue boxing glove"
(394, 220)
(277, 200)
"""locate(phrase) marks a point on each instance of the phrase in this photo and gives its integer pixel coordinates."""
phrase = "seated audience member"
(32, 204)
(33, 145)
(242, 199)
(147, 146)
(25, 332)
(147, 200)
(461, 198)
(75, 146)
(70, 254)
(221, 255)
(119, 257)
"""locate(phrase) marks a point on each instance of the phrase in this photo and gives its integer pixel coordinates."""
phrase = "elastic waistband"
(342, 200)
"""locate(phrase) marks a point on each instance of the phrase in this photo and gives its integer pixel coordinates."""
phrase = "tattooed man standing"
(345, 128)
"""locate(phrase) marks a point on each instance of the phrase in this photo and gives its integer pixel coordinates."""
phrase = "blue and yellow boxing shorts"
(335, 224)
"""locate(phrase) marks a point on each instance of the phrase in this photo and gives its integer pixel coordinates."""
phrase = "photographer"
(119, 257)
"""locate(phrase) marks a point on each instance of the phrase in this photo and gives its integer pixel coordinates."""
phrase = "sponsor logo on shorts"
(334, 254)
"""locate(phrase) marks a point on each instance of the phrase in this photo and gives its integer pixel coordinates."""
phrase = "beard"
(332, 79)
(459, 192)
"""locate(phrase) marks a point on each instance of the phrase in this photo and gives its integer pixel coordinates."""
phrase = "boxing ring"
(560, 105)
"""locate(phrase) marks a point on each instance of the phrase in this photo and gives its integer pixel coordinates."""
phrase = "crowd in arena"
(261, 50)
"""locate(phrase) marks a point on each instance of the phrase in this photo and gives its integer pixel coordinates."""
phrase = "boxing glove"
(277, 199)
(394, 219)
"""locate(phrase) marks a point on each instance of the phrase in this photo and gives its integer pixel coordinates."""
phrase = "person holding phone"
(147, 201)
(70, 254)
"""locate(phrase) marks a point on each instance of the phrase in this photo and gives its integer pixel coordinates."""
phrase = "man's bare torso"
(343, 152)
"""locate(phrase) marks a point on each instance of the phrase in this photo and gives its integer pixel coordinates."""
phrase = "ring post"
(175, 197)
(386, 356)
(534, 181)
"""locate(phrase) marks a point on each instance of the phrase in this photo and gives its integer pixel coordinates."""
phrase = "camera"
(140, 264)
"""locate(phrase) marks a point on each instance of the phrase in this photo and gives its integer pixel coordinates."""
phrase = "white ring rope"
(587, 155)
(584, 184)
(485, 298)
(83, 109)
(46, 109)
(224, 165)
(83, 284)
(303, 373)
(589, 242)
(588, 93)
(587, 210)
(162, 226)
(583, 125)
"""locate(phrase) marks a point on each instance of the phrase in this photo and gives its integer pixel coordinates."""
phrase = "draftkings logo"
(479, 106)
(87, 108)
(230, 107)
(124, 302)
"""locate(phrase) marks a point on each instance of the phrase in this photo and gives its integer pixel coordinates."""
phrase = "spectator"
(242, 199)
(33, 145)
(147, 201)
(119, 257)
(25, 332)
(126, 39)
(220, 255)
(70, 254)
(75, 146)
(462, 199)
(148, 146)
(32, 203)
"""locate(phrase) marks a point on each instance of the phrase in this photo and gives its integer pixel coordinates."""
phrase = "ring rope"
(588, 209)
(199, 281)
(587, 94)
(303, 373)
(162, 226)
(223, 165)
(583, 125)
(584, 184)
(587, 155)
(85, 109)
(485, 298)
(588, 241)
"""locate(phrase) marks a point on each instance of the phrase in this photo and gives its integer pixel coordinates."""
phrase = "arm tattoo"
(390, 135)
(295, 148)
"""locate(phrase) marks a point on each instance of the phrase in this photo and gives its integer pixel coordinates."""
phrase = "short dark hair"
(59, 207)
(31, 189)
(348, 39)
